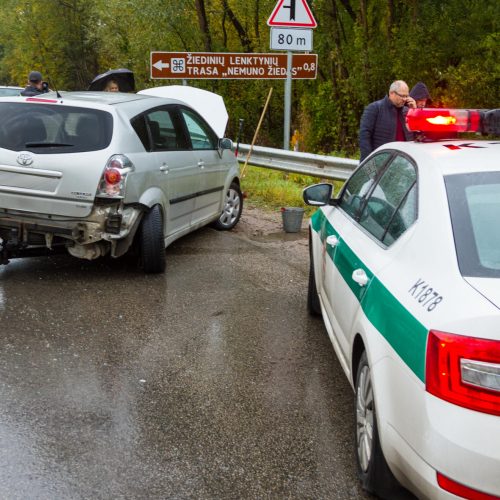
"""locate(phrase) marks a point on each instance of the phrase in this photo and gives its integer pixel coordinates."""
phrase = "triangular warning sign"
(293, 13)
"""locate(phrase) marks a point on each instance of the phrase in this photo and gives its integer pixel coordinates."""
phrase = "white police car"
(405, 270)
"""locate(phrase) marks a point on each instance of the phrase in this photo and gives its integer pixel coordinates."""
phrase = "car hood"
(487, 287)
(211, 106)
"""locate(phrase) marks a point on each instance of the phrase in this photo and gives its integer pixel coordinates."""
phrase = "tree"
(363, 45)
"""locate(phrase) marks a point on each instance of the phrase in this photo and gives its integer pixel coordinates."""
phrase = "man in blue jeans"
(384, 120)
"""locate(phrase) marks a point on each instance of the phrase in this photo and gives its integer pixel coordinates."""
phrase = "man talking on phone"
(35, 86)
(383, 121)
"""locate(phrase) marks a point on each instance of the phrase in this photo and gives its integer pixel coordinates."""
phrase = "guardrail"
(325, 167)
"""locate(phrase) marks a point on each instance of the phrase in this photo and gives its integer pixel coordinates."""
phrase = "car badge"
(25, 159)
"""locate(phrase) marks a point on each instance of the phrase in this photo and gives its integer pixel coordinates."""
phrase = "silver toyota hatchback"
(98, 173)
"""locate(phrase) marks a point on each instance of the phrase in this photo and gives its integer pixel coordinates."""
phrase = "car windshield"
(474, 201)
(48, 129)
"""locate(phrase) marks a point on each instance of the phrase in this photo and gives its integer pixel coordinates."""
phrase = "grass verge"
(272, 189)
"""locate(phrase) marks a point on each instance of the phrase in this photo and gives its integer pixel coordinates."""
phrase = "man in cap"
(35, 85)
(420, 93)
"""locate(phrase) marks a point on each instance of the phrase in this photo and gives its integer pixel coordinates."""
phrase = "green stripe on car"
(406, 335)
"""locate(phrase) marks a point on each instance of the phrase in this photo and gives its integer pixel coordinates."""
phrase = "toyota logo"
(25, 159)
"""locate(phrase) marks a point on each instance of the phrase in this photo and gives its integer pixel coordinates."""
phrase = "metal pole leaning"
(256, 132)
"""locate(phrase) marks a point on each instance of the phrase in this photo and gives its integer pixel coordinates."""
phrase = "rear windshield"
(475, 214)
(53, 128)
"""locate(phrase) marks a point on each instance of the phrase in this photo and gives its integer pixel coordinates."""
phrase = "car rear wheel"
(313, 304)
(373, 471)
(233, 207)
(151, 242)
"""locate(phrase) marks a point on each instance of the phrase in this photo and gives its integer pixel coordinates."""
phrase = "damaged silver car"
(104, 173)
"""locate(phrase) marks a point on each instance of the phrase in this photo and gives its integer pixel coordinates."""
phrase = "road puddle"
(280, 236)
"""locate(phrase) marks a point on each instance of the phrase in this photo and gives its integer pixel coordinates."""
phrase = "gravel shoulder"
(265, 228)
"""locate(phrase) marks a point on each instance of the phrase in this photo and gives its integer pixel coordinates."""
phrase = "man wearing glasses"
(384, 120)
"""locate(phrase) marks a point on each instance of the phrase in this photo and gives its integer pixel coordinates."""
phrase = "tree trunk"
(256, 19)
(203, 24)
(242, 34)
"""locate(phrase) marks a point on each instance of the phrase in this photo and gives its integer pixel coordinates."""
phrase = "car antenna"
(59, 96)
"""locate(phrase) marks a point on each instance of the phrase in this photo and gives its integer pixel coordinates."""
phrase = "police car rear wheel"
(373, 471)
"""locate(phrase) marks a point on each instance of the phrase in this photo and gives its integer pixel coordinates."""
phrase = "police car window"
(404, 217)
(474, 201)
(202, 136)
(359, 185)
(391, 206)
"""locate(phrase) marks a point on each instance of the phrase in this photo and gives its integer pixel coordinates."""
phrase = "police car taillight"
(461, 490)
(114, 177)
(464, 371)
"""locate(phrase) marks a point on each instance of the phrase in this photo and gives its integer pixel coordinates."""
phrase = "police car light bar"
(443, 120)
(453, 120)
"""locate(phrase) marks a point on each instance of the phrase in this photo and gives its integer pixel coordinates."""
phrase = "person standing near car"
(384, 120)
(35, 86)
(421, 94)
(112, 86)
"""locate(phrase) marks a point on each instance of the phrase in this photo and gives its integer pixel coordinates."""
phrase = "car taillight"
(39, 99)
(443, 120)
(114, 176)
(464, 371)
(461, 490)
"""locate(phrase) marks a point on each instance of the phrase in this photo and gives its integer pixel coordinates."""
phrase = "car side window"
(139, 125)
(358, 187)
(391, 207)
(202, 136)
(165, 136)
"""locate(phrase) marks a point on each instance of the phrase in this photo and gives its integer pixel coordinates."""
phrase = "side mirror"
(225, 143)
(318, 195)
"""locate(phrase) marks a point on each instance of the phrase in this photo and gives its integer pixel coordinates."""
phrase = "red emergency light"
(443, 120)
(453, 120)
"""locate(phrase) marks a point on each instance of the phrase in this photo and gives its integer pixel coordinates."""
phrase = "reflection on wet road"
(210, 381)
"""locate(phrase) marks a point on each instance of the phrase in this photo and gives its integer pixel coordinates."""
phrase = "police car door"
(376, 206)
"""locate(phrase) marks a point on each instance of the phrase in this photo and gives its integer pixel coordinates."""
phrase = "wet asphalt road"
(210, 381)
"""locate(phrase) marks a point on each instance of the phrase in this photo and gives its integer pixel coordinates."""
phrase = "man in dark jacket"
(384, 121)
(35, 85)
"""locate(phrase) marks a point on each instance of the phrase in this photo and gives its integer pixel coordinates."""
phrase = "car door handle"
(164, 168)
(360, 277)
(201, 164)
(333, 241)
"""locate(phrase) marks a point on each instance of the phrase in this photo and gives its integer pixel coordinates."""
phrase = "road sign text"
(210, 65)
(291, 39)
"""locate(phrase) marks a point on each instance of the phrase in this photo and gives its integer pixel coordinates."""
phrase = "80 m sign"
(291, 39)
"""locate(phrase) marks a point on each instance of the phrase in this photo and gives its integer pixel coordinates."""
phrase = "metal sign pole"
(288, 101)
